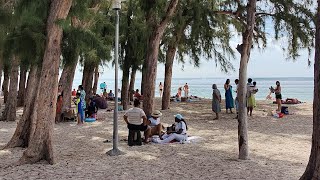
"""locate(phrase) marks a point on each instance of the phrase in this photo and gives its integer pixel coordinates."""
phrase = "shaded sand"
(279, 148)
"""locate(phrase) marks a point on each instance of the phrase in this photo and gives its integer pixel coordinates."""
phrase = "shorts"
(278, 96)
(140, 127)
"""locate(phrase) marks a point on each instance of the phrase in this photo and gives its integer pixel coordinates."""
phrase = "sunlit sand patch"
(4, 130)
(5, 152)
(94, 138)
(140, 155)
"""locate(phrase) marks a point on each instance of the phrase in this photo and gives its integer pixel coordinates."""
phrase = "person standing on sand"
(277, 92)
(186, 90)
(216, 100)
(179, 91)
(251, 101)
(228, 95)
(160, 89)
(82, 97)
(236, 99)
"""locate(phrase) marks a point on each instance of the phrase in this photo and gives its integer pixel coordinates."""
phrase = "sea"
(292, 87)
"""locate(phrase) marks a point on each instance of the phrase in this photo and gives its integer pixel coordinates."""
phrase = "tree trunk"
(69, 69)
(168, 77)
(22, 134)
(242, 88)
(87, 78)
(144, 76)
(40, 144)
(22, 86)
(152, 54)
(96, 79)
(63, 76)
(132, 81)
(10, 111)
(5, 83)
(125, 83)
(313, 168)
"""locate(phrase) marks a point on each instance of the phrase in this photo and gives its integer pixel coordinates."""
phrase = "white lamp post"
(116, 5)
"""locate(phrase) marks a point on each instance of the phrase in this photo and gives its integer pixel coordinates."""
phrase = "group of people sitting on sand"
(136, 119)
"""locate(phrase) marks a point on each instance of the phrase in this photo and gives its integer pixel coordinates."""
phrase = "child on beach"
(79, 109)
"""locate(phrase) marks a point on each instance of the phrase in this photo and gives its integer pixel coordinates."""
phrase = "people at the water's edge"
(136, 119)
(228, 96)
(236, 100)
(216, 100)
(160, 89)
(137, 95)
(251, 100)
(177, 132)
(186, 90)
(154, 125)
(180, 91)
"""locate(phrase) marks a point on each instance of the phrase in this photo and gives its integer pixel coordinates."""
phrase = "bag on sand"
(285, 110)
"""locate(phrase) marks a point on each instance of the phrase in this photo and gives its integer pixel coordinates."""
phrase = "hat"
(156, 113)
(179, 116)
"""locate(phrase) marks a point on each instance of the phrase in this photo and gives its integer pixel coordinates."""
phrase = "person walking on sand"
(186, 90)
(228, 95)
(216, 100)
(160, 89)
(277, 92)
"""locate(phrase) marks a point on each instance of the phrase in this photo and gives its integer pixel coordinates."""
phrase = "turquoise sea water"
(292, 87)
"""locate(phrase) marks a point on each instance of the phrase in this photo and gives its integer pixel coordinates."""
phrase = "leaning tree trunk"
(96, 79)
(152, 55)
(168, 77)
(40, 144)
(63, 76)
(5, 83)
(21, 136)
(10, 111)
(87, 77)
(132, 81)
(125, 83)
(245, 55)
(22, 86)
(313, 168)
(69, 69)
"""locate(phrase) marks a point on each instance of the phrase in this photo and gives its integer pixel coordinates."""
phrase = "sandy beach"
(279, 148)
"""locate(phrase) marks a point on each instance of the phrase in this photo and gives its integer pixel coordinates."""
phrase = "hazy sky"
(270, 62)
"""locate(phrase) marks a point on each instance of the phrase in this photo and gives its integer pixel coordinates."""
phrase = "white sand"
(279, 148)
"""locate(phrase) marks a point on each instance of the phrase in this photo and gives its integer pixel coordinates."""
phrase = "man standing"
(186, 90)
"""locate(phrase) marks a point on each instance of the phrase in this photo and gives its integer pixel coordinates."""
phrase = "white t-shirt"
(135, 115)
(154, 122)
(181, 125)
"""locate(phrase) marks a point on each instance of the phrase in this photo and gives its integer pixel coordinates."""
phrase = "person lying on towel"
(178, 132)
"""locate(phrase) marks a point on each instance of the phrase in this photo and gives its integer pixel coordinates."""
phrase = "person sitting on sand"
(179, 133)
(178, 97)
(137, 95)
(110, 95)
(186, 90)
(92, 108)
(216, 100)
(136, 119)
(154, 125)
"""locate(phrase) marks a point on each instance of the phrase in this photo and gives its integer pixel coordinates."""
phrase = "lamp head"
(116, 4)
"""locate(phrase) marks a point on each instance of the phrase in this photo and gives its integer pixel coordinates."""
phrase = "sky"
(269, 62)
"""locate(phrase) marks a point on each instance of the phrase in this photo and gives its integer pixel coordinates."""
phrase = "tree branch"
(170, 11)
